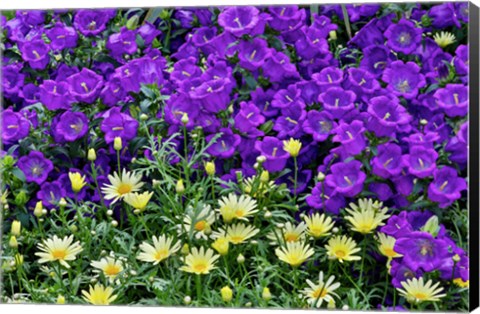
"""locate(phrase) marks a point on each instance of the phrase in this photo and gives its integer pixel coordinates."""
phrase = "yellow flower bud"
(333, 35)
(221, 245)
(265, 176)
(292, 146)
(13, 242)
(16, 228)
(185, 118)
(18, 259)
(321, 176)
(77, 181)
(227, 294)
(180, 188)
(266, 294)
(92, 156)
(38, 211)
(61, 299)
(185, 249)
(210, 168)
(117, 143)
(240, 259)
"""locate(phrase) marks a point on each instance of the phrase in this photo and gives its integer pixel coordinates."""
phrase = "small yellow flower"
(288, 233)
(237, 207)
(238, 233)
(56, 249)
(162, 248)
(108, 266)
(319, 225)
(416, 291)
(323, 291)
(200, 262)
(16, 228)
(99, 295)
(121, 185)
(342, 248)
(386, 245)
(60, 299)
(462, 284)
(199, 223)
(210, 168)
(221, 245)
(92, 155)
(443, 39)
(179, 187)
(18, 259)
(117, 143)
(227, 294)
(77, 181)
(13, 242)
(292, 146)
(38, 211)
(366, 216)
(266, 294)
(294, 253)
(138, 200)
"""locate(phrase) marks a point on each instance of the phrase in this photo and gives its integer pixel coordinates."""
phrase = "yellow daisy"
(121, 185)
(56, 249)
(99, 295)
(77, 181)
(443, 39)
(367, 216)
(261, 188)
(200, 262)
(462, 284)
(318, 225)
(108, 266)
(294, 253)
(237, 233)
(237, 207)
(221, 245)
(386, 245)
(416, 291)
(138, 200)
(342, 248)
(292, 146)
(289, 233)
(199, 223)
(162, 248)
(323, 291)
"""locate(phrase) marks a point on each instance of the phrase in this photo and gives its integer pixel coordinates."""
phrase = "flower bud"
(62, 202)
(210, 168)
(114, 223)
(185, 249)
(13, 242)
(60, 299)
(261, 159)
(132, 22)
(16, 228)
(333, 35)
(267, 215)
(117, 143)
(38, 211)
(227, 294)
(265, 176)
(221, 245)
(321, 176)
(73, 228)
(240, 259)
(18, 259)
(345, 307)
(185, 118)
(8, 161)
(248, 304)
(335, 230)
(92, 155)
(187, 300)
(456, 258)
(180, 188)
(432, 226)
(423, 122)
(331, 304)
(266, 294)
(21, 198)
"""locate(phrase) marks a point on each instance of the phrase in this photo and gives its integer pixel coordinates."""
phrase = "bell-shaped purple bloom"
(400, 272)
(35, 52)
(51, 193)
(253, 54)
(421, 250)
(453, 99)
(12, 80)
(289, 124)
(388, 116)
(35, 167)
(240, 21)
(338, 101)
(113, 92)
(328, 77)
(62, 36)
(461, 60)
(404, 79)
(148, 32)
(85, 86)
(446, 186)
(420, 161)
(248, 119)
(376, 59)
(319, 125)
(278, 68)
(272, 149)
(426, 139)
(346, 178)
(397, 226)
(224, 146)
(214, 95)
(31, 17)
(361, 82)
(388, 162)
(30, 94)
(122, 43)
(311, 44)
(287, 97)
(368, 35)
(404, 36)
(72, 125)
(444, 15)
(92, 22)
(325, 197)
(14, 126)
(351, 137)
(118, 124)
(457, 146)
(55, 95)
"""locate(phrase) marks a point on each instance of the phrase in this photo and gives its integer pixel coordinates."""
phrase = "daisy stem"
(94, 175)
(364, 250)
(226, 267)
(353, 282)
(118, 162)
(58, 272)
(198, 283)
(295, 177)
(213, 188)
(386, 287)
(185, 147)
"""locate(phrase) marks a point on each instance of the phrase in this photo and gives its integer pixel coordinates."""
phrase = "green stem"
(364, 250)
(295, 177)
(118, 162)
(353, 283)
(347, 21)
(198, 284)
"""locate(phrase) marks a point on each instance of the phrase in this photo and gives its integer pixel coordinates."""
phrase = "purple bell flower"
(421, 161)
(287, 97)
(148, 32)
(30, 94)
(248, 119)
(376, 59)
(240, 21)
(224, 146)
(122, 43)
(446, 186)
(55, 95)
(92, 22)
(72, 125)
(328, 77)
(346, 178)
(253, 55)
(35, 167)
(404, 79)
(14, 126)
(453, 99)
(289, 124)
(85, 86)
(51, 193)
(388, 116)
(62, 37)
(351, 136)
(35, 52)
(272, 149)
(319, 125)
(401, 272)
(338, 101)
(403, 37)
(444, 15)
(118, 124)
(388, 162)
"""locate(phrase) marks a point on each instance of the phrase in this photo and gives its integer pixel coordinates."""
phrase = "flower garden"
(280, 157)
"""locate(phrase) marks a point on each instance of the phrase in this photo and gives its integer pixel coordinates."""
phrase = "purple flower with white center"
(319, 125)
(368, 35)
(446, 186)
(361, 82)
(325, 197)
(403, 37)
(443, 15)
(113, 92)
(311, 43)
(205, 38)
(30, 94)
(55, 95)
(401, 272)
(457, 146)
(376, 59)
(35, 52)
(122, 43)
(289, 124)
(253, 54)
(118, 124)
(248, 119)
(346, 178)
(338, 101)
(272, 149)
(35, 167)
(14, 126)
(185, 69)
(62, 36)
(92, 22)
(214, 95)
(328, 77)
(397, 226)
(351, 136)
(31, 17)
(148, 32)
(177, 106)
(388, 116)
(453, 99)
(224, 146)
(421, 161)
(240, 21)
(12, 80)
(287, 97)
(85, 86)
(421, 250)
(278, 68)
(50, 194)
(461, 60)
(72, 125)
(426, 139)
(323, 24)
(404, 79)
(388, 162)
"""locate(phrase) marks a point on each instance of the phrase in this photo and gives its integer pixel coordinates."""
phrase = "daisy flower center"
(420, 296)
(59, 254)
(124, 188)
(200, 267)
(340, 253)
(200, 226)
(111, 270)
(389, 252)
(319, 293)
(161, 255)
(291, 237)
(236, 239)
